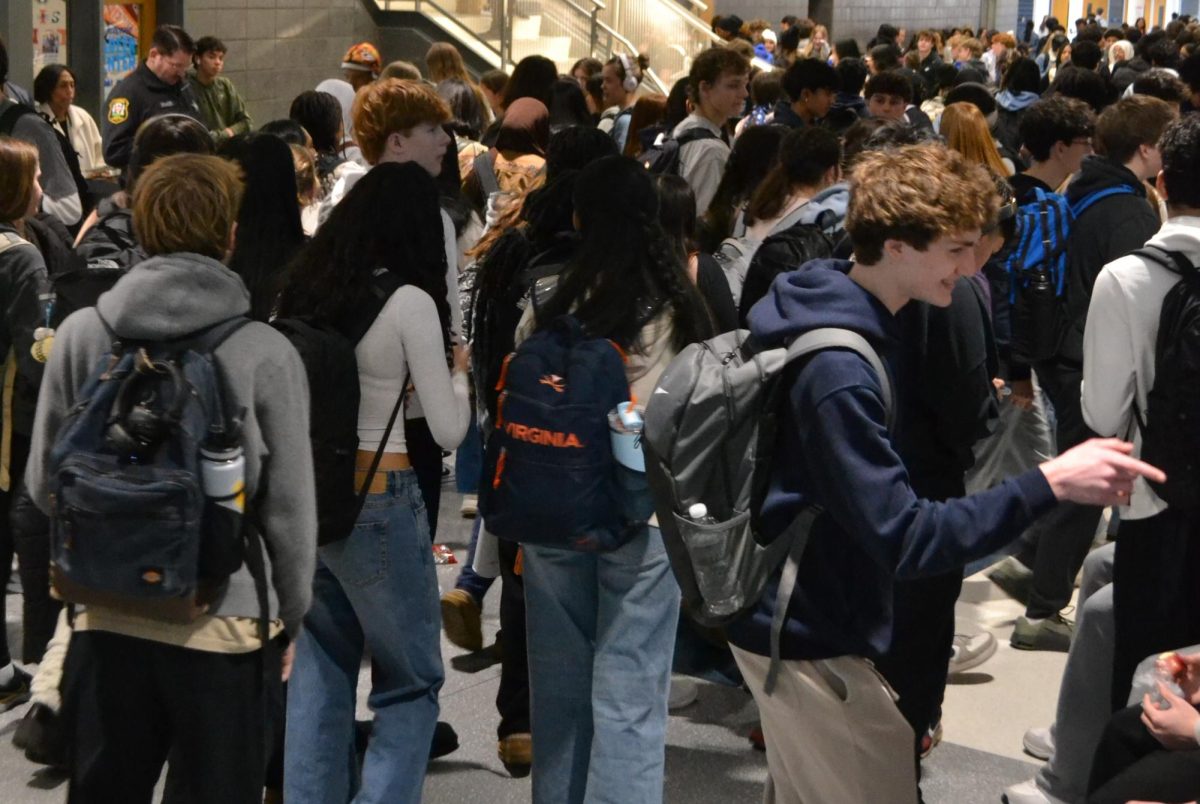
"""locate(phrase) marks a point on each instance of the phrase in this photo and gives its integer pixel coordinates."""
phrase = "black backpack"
(8, 122)
(779, 253)
(1171, 423)
(496, 319)
(327, 351)
(663, 158)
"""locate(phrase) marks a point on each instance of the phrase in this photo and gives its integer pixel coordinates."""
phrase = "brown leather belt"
(391, 461)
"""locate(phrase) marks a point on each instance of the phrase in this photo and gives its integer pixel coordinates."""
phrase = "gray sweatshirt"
(169, 297)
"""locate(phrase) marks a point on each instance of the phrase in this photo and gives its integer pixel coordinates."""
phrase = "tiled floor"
(708, 757)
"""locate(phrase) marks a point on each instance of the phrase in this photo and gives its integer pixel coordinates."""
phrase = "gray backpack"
(711, 428)
(737, 251)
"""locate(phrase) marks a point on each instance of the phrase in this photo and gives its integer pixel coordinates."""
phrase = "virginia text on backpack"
(712, 426)
(130, 525)
(549, 474)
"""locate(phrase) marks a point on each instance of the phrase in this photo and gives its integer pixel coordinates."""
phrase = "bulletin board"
(49, 33)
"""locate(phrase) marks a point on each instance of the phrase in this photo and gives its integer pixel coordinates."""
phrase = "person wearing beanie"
(361, 65)
(765, 49)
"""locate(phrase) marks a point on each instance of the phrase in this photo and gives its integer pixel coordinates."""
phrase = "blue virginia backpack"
(549, 473)
(1037, 268)
(131, 527)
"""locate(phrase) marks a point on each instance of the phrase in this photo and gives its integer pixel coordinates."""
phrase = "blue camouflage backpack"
(549, 473)
(1037, 268)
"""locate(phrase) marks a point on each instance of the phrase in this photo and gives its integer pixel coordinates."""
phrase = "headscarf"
(525, 128)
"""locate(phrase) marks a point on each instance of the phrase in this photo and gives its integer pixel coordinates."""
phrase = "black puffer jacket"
(1110, 228)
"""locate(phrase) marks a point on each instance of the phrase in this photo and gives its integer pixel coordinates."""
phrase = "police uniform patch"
(118, 110)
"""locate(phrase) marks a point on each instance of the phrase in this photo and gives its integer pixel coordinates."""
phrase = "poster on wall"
(49, 33)
(121, 31)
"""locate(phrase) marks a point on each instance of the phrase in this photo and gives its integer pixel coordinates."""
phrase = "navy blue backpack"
(130, 525)
(549, 473)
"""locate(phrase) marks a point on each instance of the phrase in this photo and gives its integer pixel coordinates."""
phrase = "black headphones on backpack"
(136, 425)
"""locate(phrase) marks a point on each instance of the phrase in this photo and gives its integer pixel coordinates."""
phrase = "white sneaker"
(971, 650)
(684, 692)
(1039, 742)
(1029, 793)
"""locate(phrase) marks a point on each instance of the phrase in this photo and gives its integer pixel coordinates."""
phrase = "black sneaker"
(445, 740)
(16, 691)
(40, 735)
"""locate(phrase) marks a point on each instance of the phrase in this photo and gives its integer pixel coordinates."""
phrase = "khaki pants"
(833, 733)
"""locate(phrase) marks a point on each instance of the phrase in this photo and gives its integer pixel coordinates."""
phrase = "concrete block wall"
(279, 48)
(861, 18)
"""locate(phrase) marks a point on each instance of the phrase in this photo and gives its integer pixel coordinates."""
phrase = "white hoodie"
(1118, 345)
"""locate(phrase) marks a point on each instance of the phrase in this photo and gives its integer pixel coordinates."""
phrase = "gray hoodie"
(169, 297)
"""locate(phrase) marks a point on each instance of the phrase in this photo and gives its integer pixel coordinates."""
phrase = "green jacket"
(221, 106)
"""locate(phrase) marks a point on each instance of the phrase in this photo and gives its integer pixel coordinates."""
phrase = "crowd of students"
(789, 183)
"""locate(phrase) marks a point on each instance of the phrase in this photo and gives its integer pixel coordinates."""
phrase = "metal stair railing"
(668, 33)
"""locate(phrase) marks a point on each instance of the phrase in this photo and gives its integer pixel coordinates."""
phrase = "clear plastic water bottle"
(698, 513)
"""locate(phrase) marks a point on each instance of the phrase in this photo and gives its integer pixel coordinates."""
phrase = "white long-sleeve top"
(1118, 345)
(406, 342)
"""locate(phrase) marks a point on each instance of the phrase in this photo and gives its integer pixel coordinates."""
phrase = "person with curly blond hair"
(915, 218)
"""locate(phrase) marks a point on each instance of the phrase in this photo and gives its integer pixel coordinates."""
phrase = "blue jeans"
(468, 460)
(376, 590)
(601, 639)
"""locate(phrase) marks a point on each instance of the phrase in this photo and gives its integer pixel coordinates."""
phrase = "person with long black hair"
(602, 624)
(677, 214)
(376, 591)
(268, 224)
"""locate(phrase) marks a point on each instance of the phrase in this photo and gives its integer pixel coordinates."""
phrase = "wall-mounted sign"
(49, 33)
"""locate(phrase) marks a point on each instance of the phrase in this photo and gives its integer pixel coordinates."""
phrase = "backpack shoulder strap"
(694, 135)
(208, 340)
(485, 170)
(798, 532)
(1088, 200)
(837, 338)
(1173, 261)
(789, 220)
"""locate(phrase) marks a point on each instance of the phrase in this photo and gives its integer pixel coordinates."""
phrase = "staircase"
(499, 33)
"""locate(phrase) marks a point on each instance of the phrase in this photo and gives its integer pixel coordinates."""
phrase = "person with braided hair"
(601, 625)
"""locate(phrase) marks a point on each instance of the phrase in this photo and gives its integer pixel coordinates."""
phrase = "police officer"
(156, 87)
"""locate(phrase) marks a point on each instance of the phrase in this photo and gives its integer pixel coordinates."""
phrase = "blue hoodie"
(836, 452)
